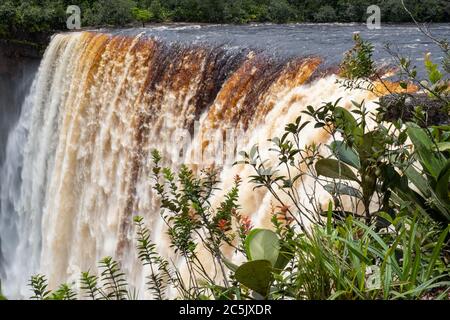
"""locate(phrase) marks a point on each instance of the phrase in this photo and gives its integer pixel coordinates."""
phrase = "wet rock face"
(20, 50)
(18, 65)
(397, 106)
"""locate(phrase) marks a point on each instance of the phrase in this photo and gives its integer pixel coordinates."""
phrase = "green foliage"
(64, 292)
(256, 275)
(262, 244)
(325, 14)
(433, 72)
(358, 61)
(109, 13)
(142, 15)
(354, 261)
(189, 217)
(334, 169)
(28, 18)
(389, 250)
(89, 285)
(159, 12)
(370, 153)
(114, 283)
(280, 11)
(2, 297)
(431, 194)
(148, 255)
(38, 285)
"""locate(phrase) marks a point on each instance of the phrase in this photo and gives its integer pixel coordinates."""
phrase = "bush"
(7, 14)
(358, 61)
(142, 15)
(280, 11)
(325, 14)
(118, 13)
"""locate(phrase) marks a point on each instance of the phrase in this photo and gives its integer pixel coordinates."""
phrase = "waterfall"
(78, 161)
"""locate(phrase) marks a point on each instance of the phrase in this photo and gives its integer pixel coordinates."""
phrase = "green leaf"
(432, 69)
(256, 275)
(435, 76)
(432, 161)
(262, 244)
(284, 257)
(418, 181)
(345, 119)
(334, 169)
(342, 189)
(437, 251)
(346, 154)
(442, 183)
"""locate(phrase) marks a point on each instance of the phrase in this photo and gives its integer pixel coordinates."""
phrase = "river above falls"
(329, 41)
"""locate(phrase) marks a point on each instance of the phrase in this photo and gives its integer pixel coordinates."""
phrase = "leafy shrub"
(119, 13)
(325, 14)
(280, 11)
(142, 15)
(358, 61)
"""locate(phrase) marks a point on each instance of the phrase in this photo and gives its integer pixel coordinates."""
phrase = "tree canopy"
(36, 16)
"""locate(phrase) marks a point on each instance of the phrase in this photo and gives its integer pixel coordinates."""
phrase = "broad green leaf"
(262, 244)
(256, 275)
(432, 161)
(345, 118)
(418, 181)
(334, 169)
(346, 154)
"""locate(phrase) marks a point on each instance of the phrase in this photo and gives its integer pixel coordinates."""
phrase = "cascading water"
(78, 161)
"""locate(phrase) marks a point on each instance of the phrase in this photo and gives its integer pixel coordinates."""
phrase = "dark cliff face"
(18, 66)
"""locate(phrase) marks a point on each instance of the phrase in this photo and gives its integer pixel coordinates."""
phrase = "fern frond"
(64, 292)
(114, 283)
(89, 286)
(38, 284)
(149, 257)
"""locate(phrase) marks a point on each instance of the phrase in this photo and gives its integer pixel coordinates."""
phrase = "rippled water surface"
(327, 40)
